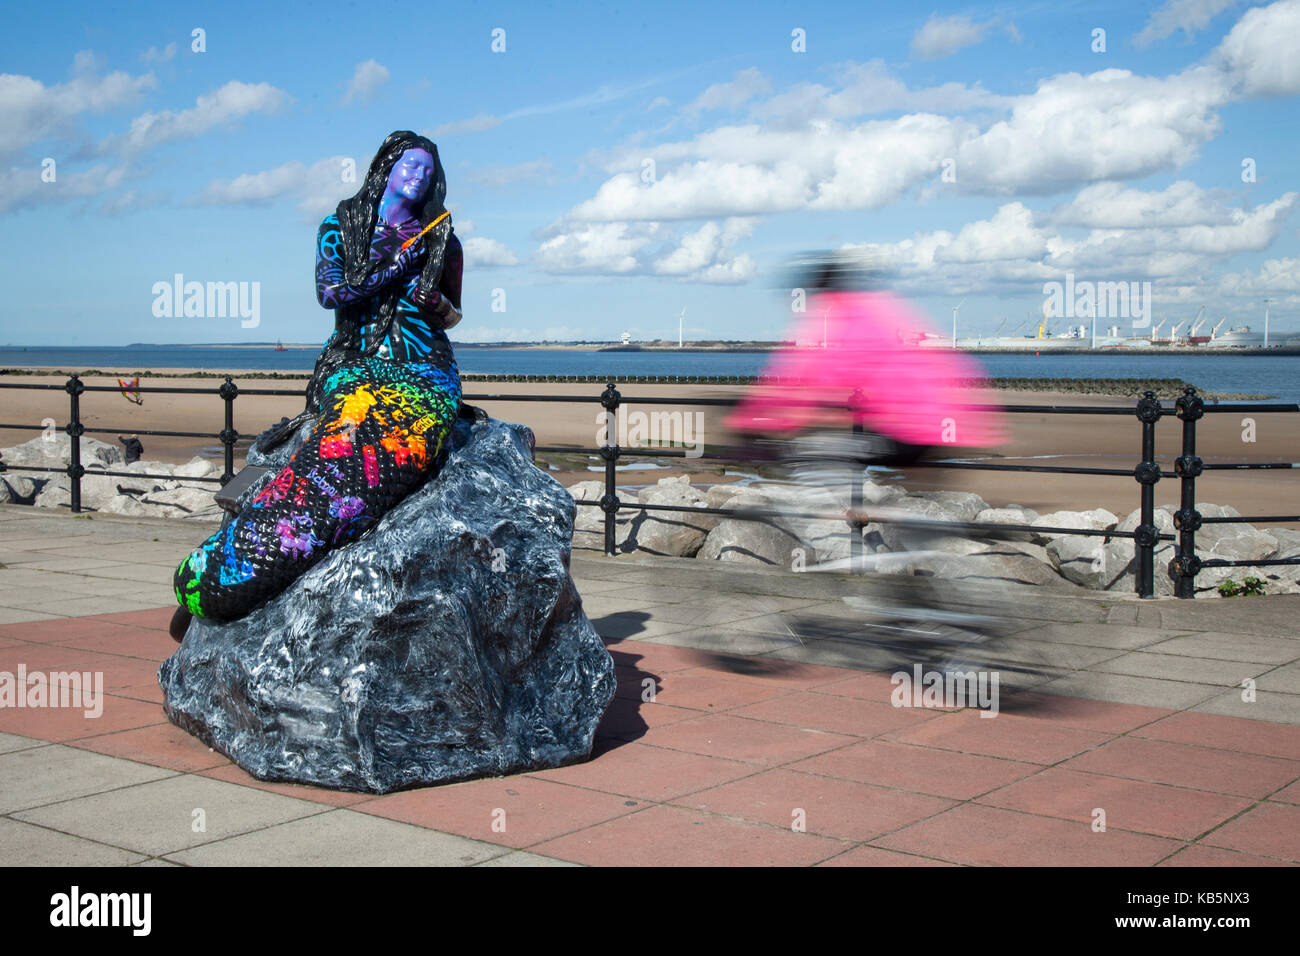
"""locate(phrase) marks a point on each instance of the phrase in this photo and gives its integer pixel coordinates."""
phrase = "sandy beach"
(1033, 438)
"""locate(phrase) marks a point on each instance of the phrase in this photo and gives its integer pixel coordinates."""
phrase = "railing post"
(228, 391)
(609, 502)
(855, 488)
(1188, 466)
(75, 429)
(1147, 473)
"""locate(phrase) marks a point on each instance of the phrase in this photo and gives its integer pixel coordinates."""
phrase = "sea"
(1254, 374)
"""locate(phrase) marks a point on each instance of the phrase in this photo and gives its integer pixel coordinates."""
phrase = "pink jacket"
(909, 393)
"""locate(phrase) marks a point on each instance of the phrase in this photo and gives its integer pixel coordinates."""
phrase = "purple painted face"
(411, 175)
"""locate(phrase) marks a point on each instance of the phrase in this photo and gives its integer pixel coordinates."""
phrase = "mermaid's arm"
(332, 289)
(443, 304)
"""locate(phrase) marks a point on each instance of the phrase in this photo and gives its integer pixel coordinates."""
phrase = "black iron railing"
(1189, 408)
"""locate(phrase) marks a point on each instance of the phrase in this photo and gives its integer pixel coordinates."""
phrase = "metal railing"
(1189, 408)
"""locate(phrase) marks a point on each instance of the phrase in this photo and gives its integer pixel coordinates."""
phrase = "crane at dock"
(1197, 322)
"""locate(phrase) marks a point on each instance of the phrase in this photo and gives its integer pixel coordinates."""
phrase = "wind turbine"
(954, 321)
(680, 319)
(1266, 301)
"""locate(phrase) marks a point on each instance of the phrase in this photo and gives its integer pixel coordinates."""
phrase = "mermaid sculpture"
(384, 394)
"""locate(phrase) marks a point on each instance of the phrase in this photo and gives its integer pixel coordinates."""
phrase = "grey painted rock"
(448, 642)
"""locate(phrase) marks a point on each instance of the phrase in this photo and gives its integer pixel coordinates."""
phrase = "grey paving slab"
(52, 605)
(159, 818)
(82, 562)
(1123, 689)
(11, 742)
(342, 838)
(636, 625)
(1279, 708)
(23, 844)
(1284, 679)
(726, 610)
(722, 640)
(38, 776)
(1228, 646)
(1124, 637)
(13, 615)
(523, 858)
(145, 574)
(1198, 670)
(660, 594)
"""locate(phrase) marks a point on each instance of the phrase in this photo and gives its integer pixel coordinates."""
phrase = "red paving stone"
(770, 671)
(1197, 768)
(919, 769)
(1177, 775)
(673, 836)
(57, 631)
(834, 714)
(1289, 794)
(699, 692)
(1227, 733)
(736, 738)
(1270, 829)
(655, 658)
(162, 745)
(629, 719)
(128, 641)
(830, 807)
(1211, 856)
(984, 836)
(64, 724)
(1129, 804)
(159, 619)
(529, 809)
(649, 773)
(1015, 738)
(874, 856)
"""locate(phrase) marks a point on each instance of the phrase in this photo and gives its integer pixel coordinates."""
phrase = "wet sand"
(1033, 438)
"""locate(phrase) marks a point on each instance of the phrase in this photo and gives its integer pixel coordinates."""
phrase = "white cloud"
(478, 124)
(1274, 276)
(224, 105)
(154, 55)
(1190, 16)
(944, 36)
(481, 252)
(318, 187)
(366, 80)
(495, 177)
(22, 187)
(598, 248)
(30, 111)
(1111, 205)
(736, 92)
(707, 254)
(1259, 53)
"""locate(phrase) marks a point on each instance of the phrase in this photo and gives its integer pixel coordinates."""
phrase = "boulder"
(1098, 519)
(875, 493)
(19, 488)
(185, 502)
(1011, 514)
(127, 505)
(756, 542)
(672, 533)
(993, 564)
(198, 468)
(1080, 559)
(446, 643)
(717, 494)
(962, 505)
(1121, 560)
(56, 450)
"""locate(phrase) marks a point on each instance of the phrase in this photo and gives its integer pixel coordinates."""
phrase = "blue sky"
(618, 163)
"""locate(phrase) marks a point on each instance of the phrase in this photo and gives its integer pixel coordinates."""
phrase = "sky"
(611, 165)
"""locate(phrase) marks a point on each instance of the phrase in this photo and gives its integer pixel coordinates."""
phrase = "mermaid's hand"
(437, 307)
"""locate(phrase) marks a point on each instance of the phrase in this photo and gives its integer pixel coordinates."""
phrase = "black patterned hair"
(358, 215)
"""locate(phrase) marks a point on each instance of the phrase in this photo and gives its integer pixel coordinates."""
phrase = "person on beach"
(384, 394)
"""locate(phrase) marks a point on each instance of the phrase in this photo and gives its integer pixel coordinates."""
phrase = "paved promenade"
(770, 738)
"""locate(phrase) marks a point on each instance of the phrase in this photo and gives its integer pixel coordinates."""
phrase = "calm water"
(1277, 375)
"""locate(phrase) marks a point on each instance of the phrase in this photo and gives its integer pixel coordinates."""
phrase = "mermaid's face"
(412, 175)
